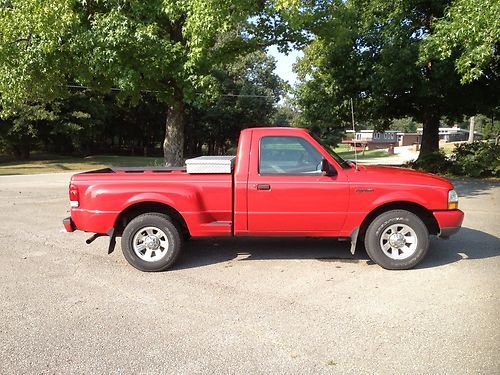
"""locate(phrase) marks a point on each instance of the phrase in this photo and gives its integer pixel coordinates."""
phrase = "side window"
(288, 155)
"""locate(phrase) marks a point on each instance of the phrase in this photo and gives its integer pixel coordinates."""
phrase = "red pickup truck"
(283, 183)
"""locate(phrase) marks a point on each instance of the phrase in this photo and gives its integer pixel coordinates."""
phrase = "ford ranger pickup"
(283, 182)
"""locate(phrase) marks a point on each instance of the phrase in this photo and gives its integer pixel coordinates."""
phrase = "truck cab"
(287, 184)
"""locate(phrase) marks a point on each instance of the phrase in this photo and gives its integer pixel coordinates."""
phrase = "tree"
(470, 28)
(165, 47)
(286, 114)
(370, 50)
(86, 122)
(21, 132)
(406, 124)
(489, 126)
(251, 90)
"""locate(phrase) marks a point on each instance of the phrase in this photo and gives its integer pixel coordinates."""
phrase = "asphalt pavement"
(288, 306)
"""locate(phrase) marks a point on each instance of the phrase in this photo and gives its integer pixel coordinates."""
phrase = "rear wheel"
(397, 240)
(151, 242)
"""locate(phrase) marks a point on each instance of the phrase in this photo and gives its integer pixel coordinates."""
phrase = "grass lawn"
(448, 148)
(343, 150)
(51, 163)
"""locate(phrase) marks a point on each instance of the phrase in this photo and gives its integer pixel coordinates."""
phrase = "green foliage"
(20, 132)
(87, 122)
(252, 89)
(370, 50)
(470, 28)
(156, 45)
(130, 45)
(435, 162)
(489, 126)
(477, 159)
(286, 114)
(406, 124)
(35, 53)
(167, 48)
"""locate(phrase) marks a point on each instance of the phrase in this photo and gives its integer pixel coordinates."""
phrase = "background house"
(453, 134)
(409, 139)
(371, 139)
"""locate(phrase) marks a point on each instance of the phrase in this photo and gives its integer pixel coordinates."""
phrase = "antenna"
(354, 143)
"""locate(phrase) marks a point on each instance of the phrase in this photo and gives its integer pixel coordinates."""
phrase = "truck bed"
(203, 200)
(137, 170)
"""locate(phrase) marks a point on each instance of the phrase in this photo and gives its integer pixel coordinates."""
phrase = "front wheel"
(397, 240)
(151, 242)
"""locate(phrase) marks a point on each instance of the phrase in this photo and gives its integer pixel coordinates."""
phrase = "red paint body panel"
(241, 171)
(294, 205)
(449, 219)
(204, 201)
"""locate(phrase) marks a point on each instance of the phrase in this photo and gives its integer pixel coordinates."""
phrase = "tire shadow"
(466, 244)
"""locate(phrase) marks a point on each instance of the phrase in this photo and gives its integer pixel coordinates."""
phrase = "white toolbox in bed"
(210, 164)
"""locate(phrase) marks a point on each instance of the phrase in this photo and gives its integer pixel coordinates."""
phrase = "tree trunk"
(472, 126)
(430, 136)
(173, 145)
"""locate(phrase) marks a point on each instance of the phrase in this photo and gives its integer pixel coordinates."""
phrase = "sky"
(284, 63)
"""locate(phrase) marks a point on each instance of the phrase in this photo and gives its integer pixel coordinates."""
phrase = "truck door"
(288, 193)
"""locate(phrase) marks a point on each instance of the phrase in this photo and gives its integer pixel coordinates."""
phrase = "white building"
(453, 134)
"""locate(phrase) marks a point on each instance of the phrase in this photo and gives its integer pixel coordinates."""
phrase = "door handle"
(263, 187)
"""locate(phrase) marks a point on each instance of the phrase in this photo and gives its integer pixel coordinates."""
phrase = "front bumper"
(449, 222)
(69, 225)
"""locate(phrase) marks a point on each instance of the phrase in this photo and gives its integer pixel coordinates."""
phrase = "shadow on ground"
(467, 244)
(202, 252)
(472, 188)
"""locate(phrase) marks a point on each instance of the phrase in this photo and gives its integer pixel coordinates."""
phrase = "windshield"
(343, 163)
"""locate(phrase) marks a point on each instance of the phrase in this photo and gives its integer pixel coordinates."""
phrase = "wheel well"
(137, 209)
(423, 213)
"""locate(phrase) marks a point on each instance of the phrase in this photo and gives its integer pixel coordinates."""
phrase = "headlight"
(452, 200)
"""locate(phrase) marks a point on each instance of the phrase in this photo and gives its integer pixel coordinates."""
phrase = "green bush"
(477, 159)
(435, 162)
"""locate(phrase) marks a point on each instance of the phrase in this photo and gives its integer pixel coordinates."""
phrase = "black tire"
(384, 225)
(171, 236)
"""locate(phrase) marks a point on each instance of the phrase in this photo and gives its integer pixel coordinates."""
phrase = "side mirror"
(327, 168)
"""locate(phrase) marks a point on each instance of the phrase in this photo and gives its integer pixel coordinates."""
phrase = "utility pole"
(472, 125)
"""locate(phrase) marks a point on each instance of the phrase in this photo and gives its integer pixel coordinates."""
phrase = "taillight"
(73, 196)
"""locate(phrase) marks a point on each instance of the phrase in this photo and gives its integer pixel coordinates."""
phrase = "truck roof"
(281, 129)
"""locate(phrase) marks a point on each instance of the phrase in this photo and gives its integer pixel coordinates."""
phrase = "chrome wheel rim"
(398, 241)
(150, 244)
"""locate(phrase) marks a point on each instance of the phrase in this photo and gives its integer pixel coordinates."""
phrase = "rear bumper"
(69, 225)
(92, 220)
(449, 222)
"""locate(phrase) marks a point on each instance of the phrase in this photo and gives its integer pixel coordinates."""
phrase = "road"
(291, 306)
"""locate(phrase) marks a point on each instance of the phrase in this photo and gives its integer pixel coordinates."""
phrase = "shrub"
(477, 159)
(435, 162)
